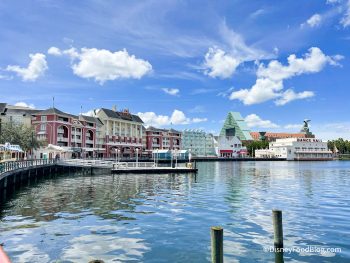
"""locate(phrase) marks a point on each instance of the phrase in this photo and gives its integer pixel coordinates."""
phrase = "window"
(43, 127)
(43, 118)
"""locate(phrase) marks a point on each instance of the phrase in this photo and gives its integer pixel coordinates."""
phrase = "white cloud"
(176, 118)
(54, 51)
(255, 121)
(345, 21)
(269, 83)
(333, 1)
(197, 120)
(103, 65)
(36, 68)
(220, 64)
(314, 21)
(222, 61)
(289, 95)
(25, 105)
(173, 92)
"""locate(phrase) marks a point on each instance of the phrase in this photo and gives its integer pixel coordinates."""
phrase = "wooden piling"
(217, 244)
(96, 261)
(277, 228)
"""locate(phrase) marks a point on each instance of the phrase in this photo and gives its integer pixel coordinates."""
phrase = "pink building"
(76, 134)
(162, 139)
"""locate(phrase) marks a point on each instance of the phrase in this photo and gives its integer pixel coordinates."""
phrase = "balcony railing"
(62, 139)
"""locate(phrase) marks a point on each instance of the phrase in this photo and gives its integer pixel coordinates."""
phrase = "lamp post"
(137, 157)
(175, 158)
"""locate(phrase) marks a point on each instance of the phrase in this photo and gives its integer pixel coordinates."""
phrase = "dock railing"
(127, 165)
(14, 165)
(87, 162)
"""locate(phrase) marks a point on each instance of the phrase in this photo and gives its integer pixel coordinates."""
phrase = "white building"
(297, 149)
(231, 147)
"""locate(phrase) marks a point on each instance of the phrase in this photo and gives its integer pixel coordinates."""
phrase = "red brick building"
(162, 139)
(76, 134)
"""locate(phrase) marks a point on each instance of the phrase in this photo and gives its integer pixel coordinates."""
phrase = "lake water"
(167, 218)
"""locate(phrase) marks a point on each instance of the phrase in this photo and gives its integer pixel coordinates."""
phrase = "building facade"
(16, 114)
(75, 134)
(297, 149)
(162, 139)
(230, 146)
(198, 142)
(121, 133)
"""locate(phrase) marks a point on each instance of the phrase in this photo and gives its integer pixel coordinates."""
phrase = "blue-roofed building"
(235, 125)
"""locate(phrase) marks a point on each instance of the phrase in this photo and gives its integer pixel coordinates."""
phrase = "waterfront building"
(272, 136)
(198, 142)
(16, 114)
(237, 126)
(296, 149)
(121, 133)
(75, 134)
(162, 139)
(229, 145)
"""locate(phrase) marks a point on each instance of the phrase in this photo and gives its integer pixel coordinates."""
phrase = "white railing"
(14, 165)
(127, 165)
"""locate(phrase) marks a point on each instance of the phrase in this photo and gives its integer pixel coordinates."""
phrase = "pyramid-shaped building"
(235, 125)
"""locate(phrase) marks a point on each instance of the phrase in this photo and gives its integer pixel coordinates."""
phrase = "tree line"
(19, 134)
(342, 145)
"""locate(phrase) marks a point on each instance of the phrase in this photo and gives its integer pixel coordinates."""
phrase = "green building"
(235, 126)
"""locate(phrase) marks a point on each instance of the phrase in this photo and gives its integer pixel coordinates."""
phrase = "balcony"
(89, 141)
(62, 139)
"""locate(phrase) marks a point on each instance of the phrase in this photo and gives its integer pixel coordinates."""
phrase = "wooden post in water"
(96, 261)
(217, 244)
(277, 228)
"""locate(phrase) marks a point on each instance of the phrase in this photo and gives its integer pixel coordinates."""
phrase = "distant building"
(198, 142)
(76, 134)
(229, 145)
(162, 139)
(296, 149)
(121, 133)
(16, 114)
(273, 136)
(235, 125)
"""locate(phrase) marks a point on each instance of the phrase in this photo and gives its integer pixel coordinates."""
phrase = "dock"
(116, 167)
(150, 167)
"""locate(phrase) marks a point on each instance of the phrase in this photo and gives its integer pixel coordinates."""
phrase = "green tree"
(254, 145)
(342, 145)
(19, 134)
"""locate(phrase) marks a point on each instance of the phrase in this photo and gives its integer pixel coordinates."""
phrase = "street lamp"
(137, 157)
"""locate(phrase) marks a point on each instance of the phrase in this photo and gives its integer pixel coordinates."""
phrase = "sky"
(183, 64)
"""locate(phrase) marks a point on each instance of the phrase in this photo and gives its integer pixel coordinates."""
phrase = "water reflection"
(166, 218)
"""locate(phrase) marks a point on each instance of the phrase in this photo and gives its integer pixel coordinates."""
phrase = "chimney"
(114, 108)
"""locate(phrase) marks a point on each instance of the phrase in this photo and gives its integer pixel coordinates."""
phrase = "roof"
(151, 128)
(91, 119)
(55, 111)
(121, 115)
(236, 121)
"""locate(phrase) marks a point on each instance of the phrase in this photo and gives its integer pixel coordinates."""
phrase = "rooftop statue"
(305, 128)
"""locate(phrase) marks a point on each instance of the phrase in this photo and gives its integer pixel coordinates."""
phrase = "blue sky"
(183, 64)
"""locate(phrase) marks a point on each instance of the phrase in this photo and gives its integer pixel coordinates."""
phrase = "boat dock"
(129, 167)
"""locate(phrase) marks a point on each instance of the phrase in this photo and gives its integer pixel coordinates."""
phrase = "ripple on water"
(166, 218)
